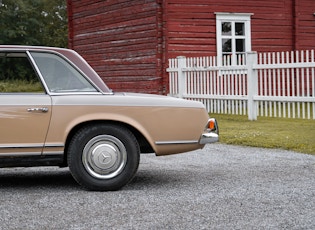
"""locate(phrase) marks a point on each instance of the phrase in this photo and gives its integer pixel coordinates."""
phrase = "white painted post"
(181, 63)
(252, 85)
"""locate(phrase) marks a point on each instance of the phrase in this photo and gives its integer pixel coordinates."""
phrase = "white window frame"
(234, 18)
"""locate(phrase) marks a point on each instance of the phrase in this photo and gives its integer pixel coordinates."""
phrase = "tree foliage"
(33, 22)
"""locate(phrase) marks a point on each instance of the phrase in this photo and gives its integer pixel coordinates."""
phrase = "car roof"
(71, 55)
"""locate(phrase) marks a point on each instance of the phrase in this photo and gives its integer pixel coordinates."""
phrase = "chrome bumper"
(211, 133)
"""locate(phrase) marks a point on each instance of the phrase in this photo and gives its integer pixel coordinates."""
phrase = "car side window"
(59, 75)
(17, 74)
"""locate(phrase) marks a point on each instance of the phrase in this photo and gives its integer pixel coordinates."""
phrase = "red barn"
(129, 42)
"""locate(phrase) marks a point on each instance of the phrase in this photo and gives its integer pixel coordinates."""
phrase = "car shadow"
(22, 178)
(153, 180)
(61, 179)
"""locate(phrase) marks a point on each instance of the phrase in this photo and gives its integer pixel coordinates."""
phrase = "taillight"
(211, 124)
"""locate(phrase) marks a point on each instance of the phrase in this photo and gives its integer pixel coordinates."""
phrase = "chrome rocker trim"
(176, 142)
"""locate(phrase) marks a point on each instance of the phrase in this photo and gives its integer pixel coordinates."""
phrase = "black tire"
(103, 157)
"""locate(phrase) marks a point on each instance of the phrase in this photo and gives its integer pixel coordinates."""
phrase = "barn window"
(233, 37)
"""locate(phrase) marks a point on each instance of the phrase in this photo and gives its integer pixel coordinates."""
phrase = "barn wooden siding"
(304, 16)
(281, 25)
(121, 39)
(129, 42)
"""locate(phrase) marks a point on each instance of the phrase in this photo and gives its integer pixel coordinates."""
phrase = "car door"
(25, 108)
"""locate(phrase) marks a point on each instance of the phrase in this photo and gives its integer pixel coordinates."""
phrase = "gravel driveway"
(219, 187)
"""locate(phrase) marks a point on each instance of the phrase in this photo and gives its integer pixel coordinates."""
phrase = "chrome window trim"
(37, 70)
(75, 93)
(29, 53)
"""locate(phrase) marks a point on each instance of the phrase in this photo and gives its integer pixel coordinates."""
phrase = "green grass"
(20, 86)
(290, 134)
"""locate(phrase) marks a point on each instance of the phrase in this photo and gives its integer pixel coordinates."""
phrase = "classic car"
(56, 111)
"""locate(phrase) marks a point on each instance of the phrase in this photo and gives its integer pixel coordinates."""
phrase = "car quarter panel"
(170, 125)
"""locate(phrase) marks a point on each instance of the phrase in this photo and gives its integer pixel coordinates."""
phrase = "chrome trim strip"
(40, 147)
(17, 154)
(18, 146)
(51, 145)
(176, 142)
(55, 153)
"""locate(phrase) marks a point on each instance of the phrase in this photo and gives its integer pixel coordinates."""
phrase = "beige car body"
(169, 125)
(37, 128)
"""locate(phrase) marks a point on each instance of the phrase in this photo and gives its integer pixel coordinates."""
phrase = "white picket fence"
(265, 84)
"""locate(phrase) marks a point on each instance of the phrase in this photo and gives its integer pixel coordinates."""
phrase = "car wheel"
(103, 157)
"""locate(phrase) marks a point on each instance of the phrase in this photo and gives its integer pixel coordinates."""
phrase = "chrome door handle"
(43, 109)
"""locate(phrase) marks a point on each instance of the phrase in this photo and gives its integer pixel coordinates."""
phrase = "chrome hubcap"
(104, 157)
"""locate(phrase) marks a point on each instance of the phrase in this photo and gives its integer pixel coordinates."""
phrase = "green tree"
(33, 22)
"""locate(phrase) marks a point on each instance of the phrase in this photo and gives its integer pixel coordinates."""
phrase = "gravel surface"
(219, 187)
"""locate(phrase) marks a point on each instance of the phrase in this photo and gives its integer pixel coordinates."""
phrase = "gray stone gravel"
(219, 187)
